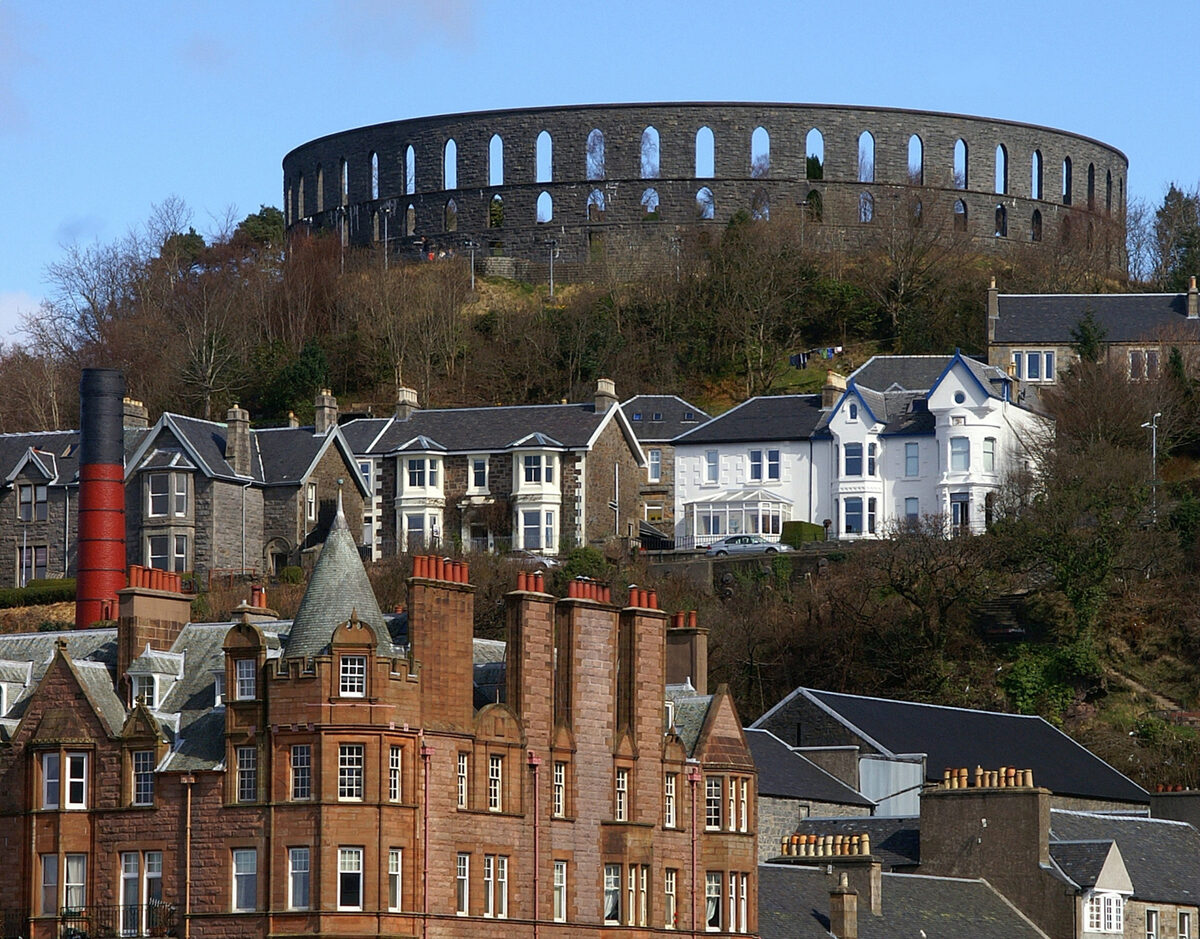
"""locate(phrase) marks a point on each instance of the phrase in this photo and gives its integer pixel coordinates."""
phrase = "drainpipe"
(693, 778)
(534, 763)
(187, 781)
(426, 755)
(67, 532)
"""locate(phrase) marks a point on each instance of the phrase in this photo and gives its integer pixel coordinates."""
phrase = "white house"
(903, 437)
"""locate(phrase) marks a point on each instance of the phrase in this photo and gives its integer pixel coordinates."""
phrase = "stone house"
(333, 775)
(538, 478)
(37, 505)
(657, 420)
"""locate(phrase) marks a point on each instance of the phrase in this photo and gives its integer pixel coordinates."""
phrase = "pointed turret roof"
(338, 589)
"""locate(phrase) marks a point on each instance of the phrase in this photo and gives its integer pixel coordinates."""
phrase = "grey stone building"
(657, 420)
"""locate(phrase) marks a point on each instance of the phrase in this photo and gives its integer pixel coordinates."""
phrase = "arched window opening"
(650, 153)
(595, 155)
(1001, 169)
(760, 206)
(545, 208)
(410, 220)
(544, 158)
(1001, 222)
(760, 152)
(345, 183)
(1064, 230)
(450, 165)
(960, 215)
(410, 171)
(1091, 187)
(960, 164)
(1035, 226)
(300, 197)
(814, 206)
(706, 163)
(866, 207)
(496, 161)
(706, 206)
(1108, 192)
(1035, 175)
(496, 212)
(1066, 181)
(650, 204)
(288, 205)
(917, 215)
(595, 206)
(320, 188)
(814, 155)
(451, 219)
(374, 224)
(916, 161)
(866, 157)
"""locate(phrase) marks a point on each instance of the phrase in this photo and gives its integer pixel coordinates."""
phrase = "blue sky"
(108, 108)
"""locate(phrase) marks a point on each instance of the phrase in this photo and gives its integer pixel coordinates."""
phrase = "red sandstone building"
(336, 776)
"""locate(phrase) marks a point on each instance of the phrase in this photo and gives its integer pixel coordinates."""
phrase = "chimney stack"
(135, 413)
(237, 439)
(834, 387)
(293, 420)
(687, 652)
(843, 910)
(326, 412)
(101, 563)
(1193, 299)
(606, 395)
(406, 403)
(993, 310)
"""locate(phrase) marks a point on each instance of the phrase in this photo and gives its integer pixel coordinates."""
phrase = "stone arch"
(1066, 181)
(961, 167)
(1035, 226)
(496, 160)
(1064, 230)
(410, 220)
(866, 207)
(916, 213)
(300, 197)
(544, 158)
(866, 158)
(344, 184)
(960, 215)
(595, 206)
(1091, 187)
(320, 188)
(650, 203)
(916, 161)
(706, 149)
(814, 206)
(760, 152)
(814, 154)
(595, 168)
(1001, 221)
(374, 175)
(545, 207)
(649, 153)
(450, 218)
(1001, 169)
(1035, 175)
(496, 212)
(760, 206)
(1108, 191)
(410, 171)
(706, 205)
(450, 165)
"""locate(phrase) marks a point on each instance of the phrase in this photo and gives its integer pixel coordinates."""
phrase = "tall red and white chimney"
(101, 559)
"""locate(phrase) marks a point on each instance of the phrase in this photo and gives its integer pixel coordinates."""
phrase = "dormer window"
(656, 416)
(689, 415)
(145, 687)
(218, 689)
(353, 676)
(246, 672)
(637, 415)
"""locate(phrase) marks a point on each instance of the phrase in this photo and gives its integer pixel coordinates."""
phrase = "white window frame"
(1185, 925)
(310, 502)
(621, 795)
(612, 895)
(712, 467)
(670, 898)
(179, 501)
(145, 687)
(857, 448)
(395, 880)
(960, 454)
(669, 784)
(75, 881)
(352, 677)
(245, 879)
(351, 772)
(350, 870)
(142, 762)
(395, 773)
(495, 782)
(1152, 924)
(1046, 365)
(247, 774)
(158, 495)
(473, 466)
(712, 892)
(744, 806)
(299, 878)
(773, 465)
(301, 772)
(75, 780)
(560, 892)
(246, 674)
(462, 883)
(989, 454)
(712, 802)
(654, 465)
(559, 791)
(158, 551)
(755, 469)
(463, 780)
(51, 779)
(912, 460)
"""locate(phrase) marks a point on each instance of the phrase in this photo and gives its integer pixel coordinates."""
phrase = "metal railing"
(129, 919)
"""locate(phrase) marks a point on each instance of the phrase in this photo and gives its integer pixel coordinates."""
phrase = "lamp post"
(471, 245)
(385, 213)
(552, 247)
(1153, 425)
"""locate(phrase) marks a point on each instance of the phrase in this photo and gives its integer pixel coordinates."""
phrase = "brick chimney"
(237, 440)
(687, 652)
(864, 874)
(606, 395)
(441, 617)
(529, 659)
(993, 310)
(151, 612)
(325, 412)
(135, 413)
(1193, 299)
(406, 403)
(843, 910)
(832, 390)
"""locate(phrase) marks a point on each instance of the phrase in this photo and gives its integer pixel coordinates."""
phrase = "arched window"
(410, 171)
(1035, 175)
(853, 411)
(496, 212)
(706, 206)
(1066, 181)
(595, 206)
(451, 217)
(496, 161)
(917, 213)
(706, 163)
(1091, 190)
(760, 206)
(1001, 222)
(1108, 192)
(544, 154)
(344, 188)
(866, 207)
(916, 161)
(650, 153)
(410, 220)
(760, 152)
(320, 188)
(300, 197)
(374, 224)
(288, 205)
(814, 155)
(650, 203)
(1035, 226)
(450, 165)
(814, 207)
(545, 208)
(595, 155)
(374, 175)
(1064, 230)
(1001, 169)
(960, 215)
(960, 164)
(866, 157)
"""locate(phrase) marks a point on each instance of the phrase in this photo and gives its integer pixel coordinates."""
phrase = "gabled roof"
(289, 455)
(960, 737)
(1128, 317)
(893, 373)
(203, 442)
(793, 903)
(787, 774)
(1082, 861)
(777, 417)
(53, 453)
(37, 649)
(659, 418)
(691, 711)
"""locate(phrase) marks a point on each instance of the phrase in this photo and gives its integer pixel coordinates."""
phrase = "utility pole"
(552, 246)
(1153, 425)
(471, 245)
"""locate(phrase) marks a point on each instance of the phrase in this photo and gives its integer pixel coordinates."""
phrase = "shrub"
(38, 592)
(291, 575)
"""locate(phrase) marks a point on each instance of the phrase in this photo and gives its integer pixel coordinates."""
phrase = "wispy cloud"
(79, 228)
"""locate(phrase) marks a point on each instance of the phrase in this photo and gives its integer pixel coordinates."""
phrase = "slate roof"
(777, 417)
(338, 588)
(1130, 317)
(286, 453)
(785, 773)
(83, 645)
(63, 445)
(952, 737)
(659, 418)
(1082, 861)
(793, 903)
(691, 710)
(97, 681)
(1161, 856)
(893, 373)
(895, 841)
(207, 440)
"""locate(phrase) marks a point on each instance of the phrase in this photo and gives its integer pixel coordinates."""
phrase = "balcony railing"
(130, 919)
